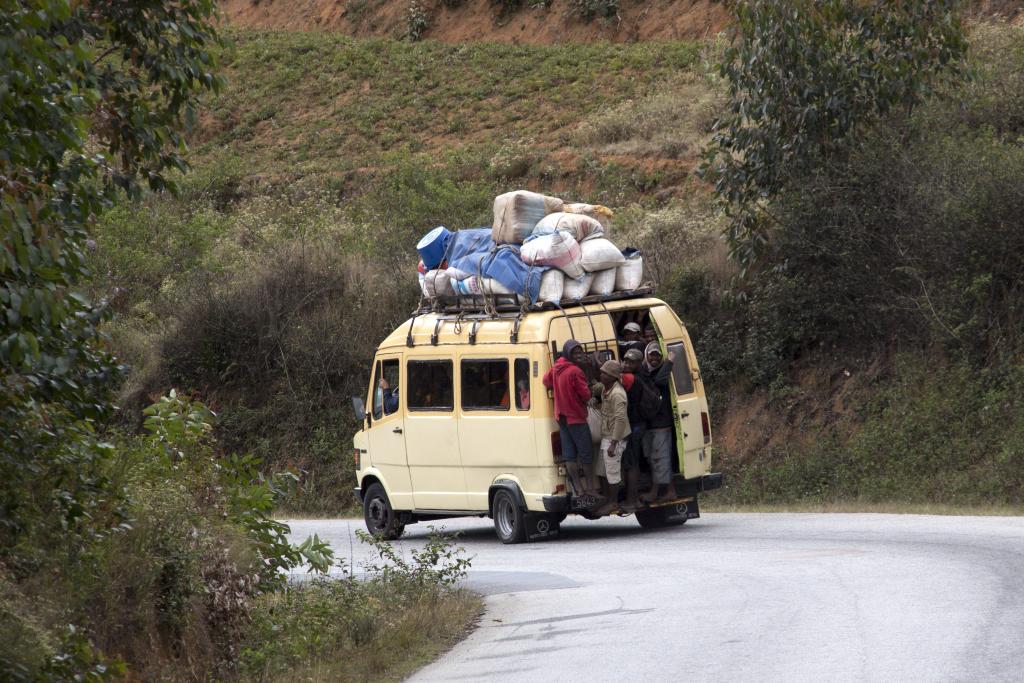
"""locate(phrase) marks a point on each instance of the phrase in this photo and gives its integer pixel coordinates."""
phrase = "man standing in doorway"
(614, 431)
(569, 384)
(657, 440)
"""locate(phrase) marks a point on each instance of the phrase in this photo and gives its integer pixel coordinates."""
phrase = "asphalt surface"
(738, 597)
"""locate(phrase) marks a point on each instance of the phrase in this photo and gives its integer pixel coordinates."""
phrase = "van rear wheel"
(657, 518)
(509, 519)
(380, 517)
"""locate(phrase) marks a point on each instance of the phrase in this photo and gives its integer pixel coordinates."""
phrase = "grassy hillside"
(266, 285)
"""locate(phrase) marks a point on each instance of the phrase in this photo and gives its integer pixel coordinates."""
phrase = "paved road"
(741, 597)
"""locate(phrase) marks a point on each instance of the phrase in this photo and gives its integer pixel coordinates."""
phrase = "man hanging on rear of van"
(614, 431)
(572, 393)
(658, 437)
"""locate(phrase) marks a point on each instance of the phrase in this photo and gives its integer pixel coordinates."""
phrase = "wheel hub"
(378, 513)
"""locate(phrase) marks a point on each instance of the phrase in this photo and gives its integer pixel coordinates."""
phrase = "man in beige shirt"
(614, 431)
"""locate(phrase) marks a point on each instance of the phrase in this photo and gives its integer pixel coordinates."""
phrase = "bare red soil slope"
(484, 21)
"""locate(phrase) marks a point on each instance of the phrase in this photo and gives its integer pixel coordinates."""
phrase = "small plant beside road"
(379, 625)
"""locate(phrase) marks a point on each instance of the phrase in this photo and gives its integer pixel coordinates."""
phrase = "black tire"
(380, 517)
(658, 518)
(509, 519)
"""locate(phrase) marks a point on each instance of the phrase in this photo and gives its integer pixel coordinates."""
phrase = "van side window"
(485, 384)
(522, 384)
(386, 389)
(681, 369)
(430, 385)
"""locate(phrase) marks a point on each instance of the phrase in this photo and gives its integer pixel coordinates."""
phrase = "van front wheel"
(509, 520)
(380, 518)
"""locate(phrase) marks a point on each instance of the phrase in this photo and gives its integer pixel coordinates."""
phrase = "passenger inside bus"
(388, 396)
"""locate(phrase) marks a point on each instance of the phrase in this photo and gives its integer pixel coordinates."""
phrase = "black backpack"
(649, 399)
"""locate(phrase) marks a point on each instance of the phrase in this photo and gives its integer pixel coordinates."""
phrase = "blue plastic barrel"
(433, 246)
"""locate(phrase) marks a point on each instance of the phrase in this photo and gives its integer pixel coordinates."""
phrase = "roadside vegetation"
(399, 614)
(145, 553)
(326, 157)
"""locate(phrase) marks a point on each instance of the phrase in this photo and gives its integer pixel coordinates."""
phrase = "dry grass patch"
(673, 121)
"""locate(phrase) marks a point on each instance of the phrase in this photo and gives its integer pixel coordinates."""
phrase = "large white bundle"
(579, 226)
(517, 213)
(456, 274)
(492, 286)
(604, 282)
(599, 254)
(552, 283)
(601, 214)
(558, 250)
(631, 273)
(577, 289)
(437, 283)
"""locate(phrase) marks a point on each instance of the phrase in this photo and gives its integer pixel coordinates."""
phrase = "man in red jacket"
(569, 384)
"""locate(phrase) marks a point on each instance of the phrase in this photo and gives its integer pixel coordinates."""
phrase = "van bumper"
(708, 482)
(556, 503)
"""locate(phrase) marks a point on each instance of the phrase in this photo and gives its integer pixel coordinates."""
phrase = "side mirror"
(359, 408)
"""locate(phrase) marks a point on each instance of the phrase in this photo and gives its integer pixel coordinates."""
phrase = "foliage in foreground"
(94, 101)
(168, 592)
(382, 623)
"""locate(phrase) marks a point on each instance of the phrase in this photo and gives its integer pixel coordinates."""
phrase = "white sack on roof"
(601, 214)
(558, 250)
(579, 226)
(600, 254)
(577, 289)
(630, 274)
(552, 283)
(604, 282)
(437, 283)
(517, 213)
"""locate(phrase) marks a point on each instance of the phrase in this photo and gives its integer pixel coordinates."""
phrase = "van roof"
(531, 326)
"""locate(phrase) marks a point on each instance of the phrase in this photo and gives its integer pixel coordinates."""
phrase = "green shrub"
(934, 432)
(417, 20)
(353, 629)
(589, 9)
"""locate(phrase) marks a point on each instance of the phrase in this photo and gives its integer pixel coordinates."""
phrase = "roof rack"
(492, 305)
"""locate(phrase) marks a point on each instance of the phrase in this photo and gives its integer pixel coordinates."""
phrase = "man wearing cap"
(569, 384)
(633, 382)
(631, 339)
(657, 439)
(614, 431)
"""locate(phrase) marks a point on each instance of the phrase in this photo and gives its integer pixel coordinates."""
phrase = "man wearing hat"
(614, 431)
(632, 338)
(569, 385)
(657, 440)
(634, 383)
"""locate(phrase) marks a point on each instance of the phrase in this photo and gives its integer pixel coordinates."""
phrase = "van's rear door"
(690, 406)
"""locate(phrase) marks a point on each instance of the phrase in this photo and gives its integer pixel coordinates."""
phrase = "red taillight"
(705, 424)
(355, 458)
(556, 445)
(559, 488)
